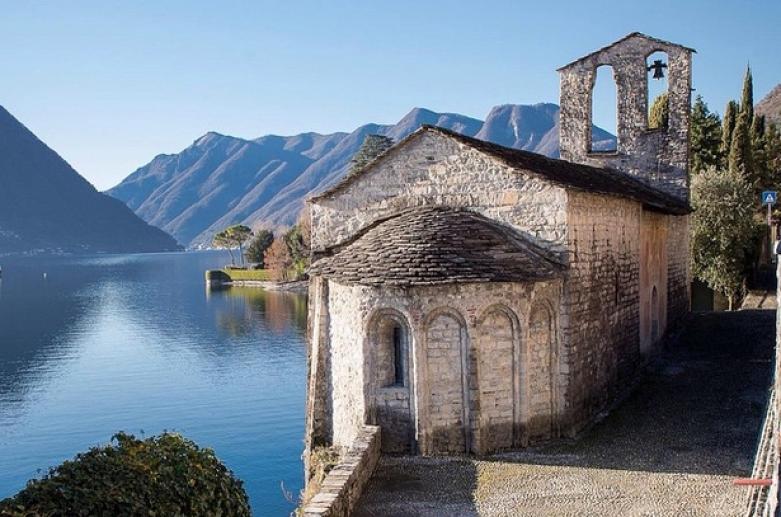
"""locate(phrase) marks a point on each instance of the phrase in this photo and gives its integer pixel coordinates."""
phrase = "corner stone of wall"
(345, 483)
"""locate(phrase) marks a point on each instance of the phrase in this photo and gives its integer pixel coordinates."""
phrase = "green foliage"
(741, 153)
(163, 475)
(299, 250)
(373, 146)
(772, 158)
(659, 116)
(258, 246)
(728, 126)
(233, 237)
(747, 98)
(722, 229)
(705, 137)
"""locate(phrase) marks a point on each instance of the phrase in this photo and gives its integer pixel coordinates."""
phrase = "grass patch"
(248, 274)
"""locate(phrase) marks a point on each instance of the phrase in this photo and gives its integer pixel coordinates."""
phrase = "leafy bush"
(162, 475)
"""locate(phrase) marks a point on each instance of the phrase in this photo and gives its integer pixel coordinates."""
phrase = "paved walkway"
(672, 448)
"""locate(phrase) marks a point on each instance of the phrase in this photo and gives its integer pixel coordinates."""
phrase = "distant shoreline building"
(470, 298)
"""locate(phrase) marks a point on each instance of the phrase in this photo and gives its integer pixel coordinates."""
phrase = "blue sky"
(109, 85)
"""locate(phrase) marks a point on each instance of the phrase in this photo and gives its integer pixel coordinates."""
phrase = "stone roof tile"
(437, 245)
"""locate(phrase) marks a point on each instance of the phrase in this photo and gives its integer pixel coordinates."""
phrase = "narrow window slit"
(398, 357)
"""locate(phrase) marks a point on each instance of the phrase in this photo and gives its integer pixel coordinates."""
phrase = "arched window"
(398, 355)
(656, 96)
(391, 352)
(604, 111)
(390, 402)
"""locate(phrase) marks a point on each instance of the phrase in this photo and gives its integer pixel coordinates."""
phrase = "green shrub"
(162, 475)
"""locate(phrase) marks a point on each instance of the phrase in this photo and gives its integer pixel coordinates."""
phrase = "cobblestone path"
(672, 448)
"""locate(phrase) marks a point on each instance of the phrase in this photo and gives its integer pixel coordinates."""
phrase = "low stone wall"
(344, 485)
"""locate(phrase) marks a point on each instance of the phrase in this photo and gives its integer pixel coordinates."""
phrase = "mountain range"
(770, 105)
(221, 180)
(46, 206)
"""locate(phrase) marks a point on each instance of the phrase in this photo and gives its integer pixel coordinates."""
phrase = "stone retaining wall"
(344, 485)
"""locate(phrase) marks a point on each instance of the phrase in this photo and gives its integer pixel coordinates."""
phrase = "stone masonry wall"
(348, 362)
(491, 385)
(541, 366)
(444, 341)
(436, 170)
(600, 311)
(657, 156)
(446, 324)
(679, 275)
(344, 484)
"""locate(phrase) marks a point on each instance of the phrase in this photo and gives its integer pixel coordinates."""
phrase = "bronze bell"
(658, 68)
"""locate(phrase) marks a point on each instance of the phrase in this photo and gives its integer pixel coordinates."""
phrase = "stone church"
(470, 298)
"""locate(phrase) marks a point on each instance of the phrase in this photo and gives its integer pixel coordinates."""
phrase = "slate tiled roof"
(567, 174)
(437, 245)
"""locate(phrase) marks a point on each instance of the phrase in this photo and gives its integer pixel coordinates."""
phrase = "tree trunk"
(729, 302)
(233, 262)
(241, 254)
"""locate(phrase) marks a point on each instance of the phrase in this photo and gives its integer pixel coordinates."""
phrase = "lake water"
(136, 343)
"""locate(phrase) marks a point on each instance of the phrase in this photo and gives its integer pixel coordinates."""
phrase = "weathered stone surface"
(437, 245)
(434, 169)
(659, 157)
(528, 291)
(446, 326)
(344, 484)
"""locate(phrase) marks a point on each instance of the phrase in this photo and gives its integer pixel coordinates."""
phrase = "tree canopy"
(258, 246)
(233, 237)
(705, 137)
(162, 475)
(728, 125)
(372, 147)
(278, 260)
(722, 229)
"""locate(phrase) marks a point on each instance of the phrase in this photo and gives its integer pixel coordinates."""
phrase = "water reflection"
(131, 342)
(276, 311)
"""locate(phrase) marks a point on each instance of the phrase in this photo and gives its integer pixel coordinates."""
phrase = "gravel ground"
(672, 448)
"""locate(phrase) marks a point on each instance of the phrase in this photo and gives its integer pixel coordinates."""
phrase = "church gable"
(432, 168)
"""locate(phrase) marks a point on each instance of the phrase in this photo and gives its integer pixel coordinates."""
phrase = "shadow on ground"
(673, 446)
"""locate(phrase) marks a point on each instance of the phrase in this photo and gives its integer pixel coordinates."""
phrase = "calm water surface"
(135, 343)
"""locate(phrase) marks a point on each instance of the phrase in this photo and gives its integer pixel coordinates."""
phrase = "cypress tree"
(759, 156)
(728, 126)
(705, 137)
(772, 149)
(747, 100)
(740, 153)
